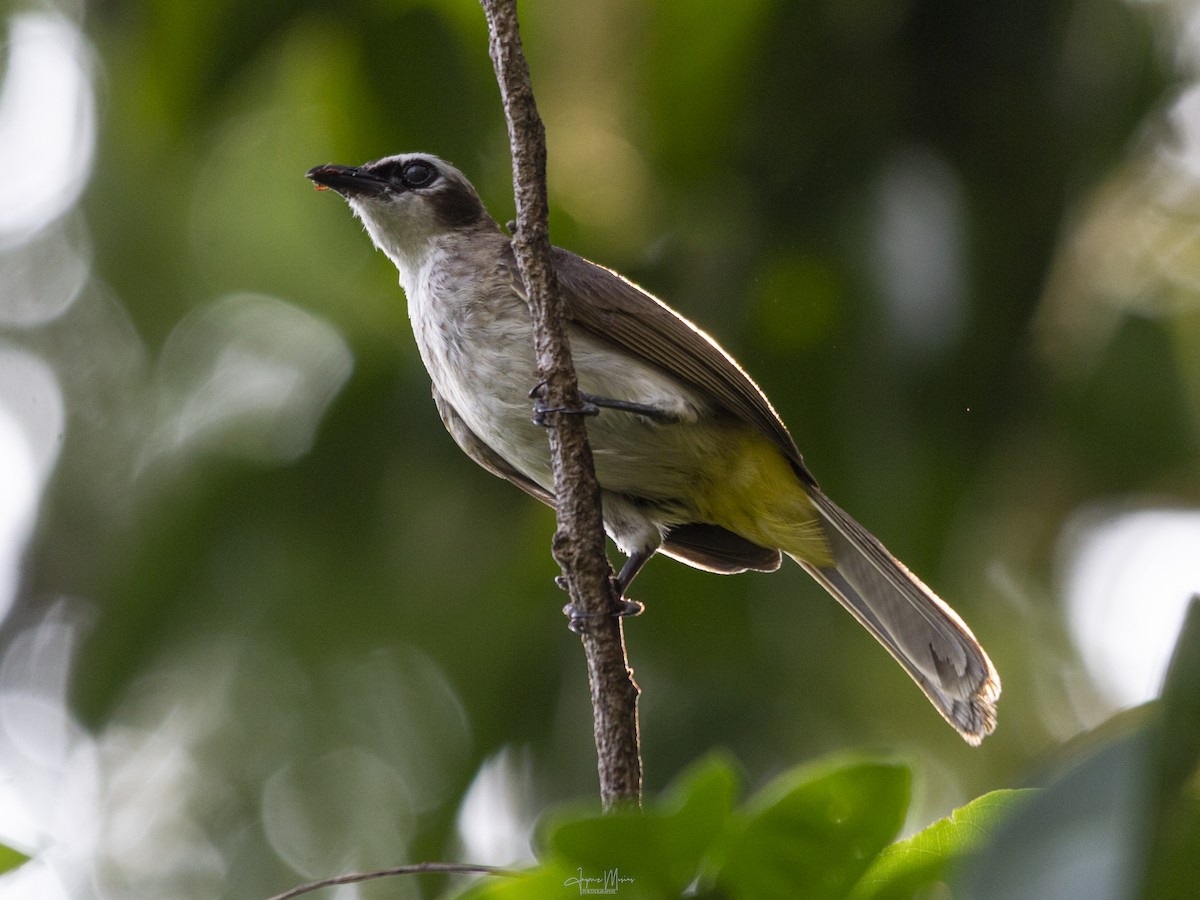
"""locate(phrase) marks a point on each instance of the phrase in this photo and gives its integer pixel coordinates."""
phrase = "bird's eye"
(418, 174)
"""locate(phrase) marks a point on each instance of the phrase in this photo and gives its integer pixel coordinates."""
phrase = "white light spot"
(40, 279)
(494, 821)
(31, 424)
(1128, 582)
(314, 818)
(47, 123)
(917, 253)
(249, 375)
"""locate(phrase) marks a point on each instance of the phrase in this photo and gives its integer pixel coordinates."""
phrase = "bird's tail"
(924, 634)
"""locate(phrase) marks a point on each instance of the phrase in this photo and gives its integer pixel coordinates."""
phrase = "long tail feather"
(925, 635)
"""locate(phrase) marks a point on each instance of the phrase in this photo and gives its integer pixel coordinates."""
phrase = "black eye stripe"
(411, 175)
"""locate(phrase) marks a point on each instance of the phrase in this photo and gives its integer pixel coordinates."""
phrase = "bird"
(692, 460)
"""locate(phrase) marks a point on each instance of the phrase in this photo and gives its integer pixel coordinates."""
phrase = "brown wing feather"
(615, 309)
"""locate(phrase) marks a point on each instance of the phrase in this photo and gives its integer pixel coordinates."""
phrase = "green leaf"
(919, 861)
(644, 856)
(660, 849)
(1181, 707)
(814, 831)
(541, 883)
(10, 858)
(1172, 868)
(1082, 837)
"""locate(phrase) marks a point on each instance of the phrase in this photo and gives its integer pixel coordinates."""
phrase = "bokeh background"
(263, 622)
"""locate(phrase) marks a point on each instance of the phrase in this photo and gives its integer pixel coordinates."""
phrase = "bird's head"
(407, 202)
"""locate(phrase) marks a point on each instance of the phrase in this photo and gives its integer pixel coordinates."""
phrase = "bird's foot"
(541, 411)
(580, 622)
(592, 405)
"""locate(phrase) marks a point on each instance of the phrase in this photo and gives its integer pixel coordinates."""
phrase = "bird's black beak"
(349, 181)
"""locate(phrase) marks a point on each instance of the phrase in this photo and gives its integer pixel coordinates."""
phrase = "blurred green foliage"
(1119, 822)
(273, 569)
(819, 831)
(810, 833)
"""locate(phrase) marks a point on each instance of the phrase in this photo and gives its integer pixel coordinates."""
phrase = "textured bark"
(579, 540)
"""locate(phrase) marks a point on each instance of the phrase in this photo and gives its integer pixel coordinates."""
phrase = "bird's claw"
(579, 621)
(541, 411)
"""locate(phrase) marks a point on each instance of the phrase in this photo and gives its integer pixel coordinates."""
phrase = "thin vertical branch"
(579, 540)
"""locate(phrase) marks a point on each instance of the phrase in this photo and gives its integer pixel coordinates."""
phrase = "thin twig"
(579, 541)
(414, 869)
